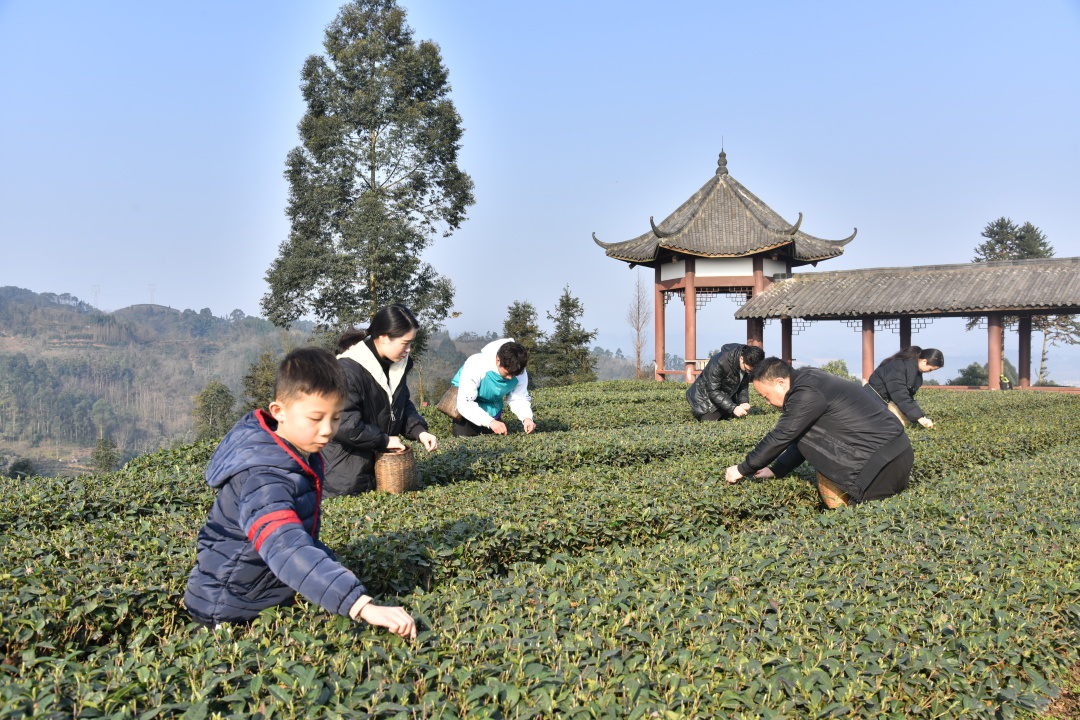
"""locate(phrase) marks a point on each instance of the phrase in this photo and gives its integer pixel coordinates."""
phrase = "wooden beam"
(994, 337)
(905, 332)
(867, 348)
(1024, 331)
(785, 340)
(690, 296)
(658, 327)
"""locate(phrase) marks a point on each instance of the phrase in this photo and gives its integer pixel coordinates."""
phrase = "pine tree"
(565, 357)
(213, 411)
(374, 180)
(105, 455)
(521, 324)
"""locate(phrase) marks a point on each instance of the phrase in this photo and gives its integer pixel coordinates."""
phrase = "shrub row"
(916, 606)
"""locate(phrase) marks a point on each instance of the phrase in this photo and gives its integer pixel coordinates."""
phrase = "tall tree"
(521, 324)
(105, 455)
(1005, 241)
(638, 315)
(565, 357)
(213, 411)
(374, 179)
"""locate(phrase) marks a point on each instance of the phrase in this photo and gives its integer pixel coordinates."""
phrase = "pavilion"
(725, 241)
(722, 241)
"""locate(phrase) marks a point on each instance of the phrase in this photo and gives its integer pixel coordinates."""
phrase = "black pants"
(892, 479)
(717, 414)
(464, 428)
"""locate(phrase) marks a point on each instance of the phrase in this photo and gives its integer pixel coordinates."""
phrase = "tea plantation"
(598, 568)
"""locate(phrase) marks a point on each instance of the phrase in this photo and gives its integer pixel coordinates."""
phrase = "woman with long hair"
(900, 376)
(378, 408)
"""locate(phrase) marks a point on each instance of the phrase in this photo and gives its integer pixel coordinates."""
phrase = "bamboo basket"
(830, 493)
(448, 403)
(395, 473)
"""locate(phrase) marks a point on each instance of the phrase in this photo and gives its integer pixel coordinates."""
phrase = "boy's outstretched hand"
(393, 618)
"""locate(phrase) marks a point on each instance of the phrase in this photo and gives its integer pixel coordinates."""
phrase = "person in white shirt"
(486, 378)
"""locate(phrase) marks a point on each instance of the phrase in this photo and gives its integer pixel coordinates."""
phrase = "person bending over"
(721, 391)
(899, 377)
(486, 378)
(260, 544)
(378, 408)
(856, 446)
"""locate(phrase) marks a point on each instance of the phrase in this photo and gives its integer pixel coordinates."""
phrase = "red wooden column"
(905, 332)
(690, 296)
(658, 327)
(1024, 330)
(993, 350)
(755, 332)
(785, 340)
(867, 348)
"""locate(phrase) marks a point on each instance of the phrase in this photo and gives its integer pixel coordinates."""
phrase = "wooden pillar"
(658, 326)
(755, 332)
(993, 350)
(759, 275)
(690, 296)
(867, 348)
(785, 340)
(1024, 331)
(905, 332)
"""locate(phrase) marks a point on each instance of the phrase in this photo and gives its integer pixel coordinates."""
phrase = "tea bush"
(599, 568)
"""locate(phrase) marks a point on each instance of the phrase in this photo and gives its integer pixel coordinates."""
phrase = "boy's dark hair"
(513, 357)
(752, 355)
(771, 368)
(348, 339)
(309, 371)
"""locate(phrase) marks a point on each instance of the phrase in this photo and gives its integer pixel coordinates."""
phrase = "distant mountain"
(70, 373)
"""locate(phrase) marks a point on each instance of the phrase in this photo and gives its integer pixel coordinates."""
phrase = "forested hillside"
(70, 373)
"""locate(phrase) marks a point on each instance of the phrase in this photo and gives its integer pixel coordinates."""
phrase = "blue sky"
(143, 144)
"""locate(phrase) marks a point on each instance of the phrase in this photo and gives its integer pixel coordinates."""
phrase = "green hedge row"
(615, 518)
(920, 606)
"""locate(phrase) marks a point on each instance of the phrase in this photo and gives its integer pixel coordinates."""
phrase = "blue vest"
(493, 388)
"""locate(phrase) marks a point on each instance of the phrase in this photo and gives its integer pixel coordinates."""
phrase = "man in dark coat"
(721, 391)
(851, 439)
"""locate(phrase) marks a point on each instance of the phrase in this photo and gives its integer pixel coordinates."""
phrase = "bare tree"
(638, 315)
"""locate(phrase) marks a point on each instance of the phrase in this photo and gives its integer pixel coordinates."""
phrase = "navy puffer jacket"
(260, 544)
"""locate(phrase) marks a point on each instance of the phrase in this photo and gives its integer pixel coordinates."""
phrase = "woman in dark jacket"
(899, 377)
(378, 408)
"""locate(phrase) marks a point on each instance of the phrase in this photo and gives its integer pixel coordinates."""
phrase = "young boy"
(260, 543)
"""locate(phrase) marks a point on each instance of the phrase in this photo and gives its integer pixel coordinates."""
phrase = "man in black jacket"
(721, 391)
(859, 450)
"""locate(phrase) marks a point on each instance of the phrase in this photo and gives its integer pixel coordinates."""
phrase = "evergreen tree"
(565, 357)
(1006, 241)
(105, 456)
(521, 324)
(259, 383)
(374, 180)
(213, 411)
(22, 469)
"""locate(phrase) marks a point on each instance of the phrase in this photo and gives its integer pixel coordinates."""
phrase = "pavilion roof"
(1044, 284)
(724, 219)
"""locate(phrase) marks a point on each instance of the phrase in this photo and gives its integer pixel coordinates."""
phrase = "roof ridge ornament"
(721, 164)
(795, 228)
(657, 231)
